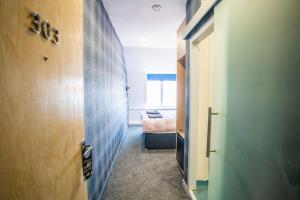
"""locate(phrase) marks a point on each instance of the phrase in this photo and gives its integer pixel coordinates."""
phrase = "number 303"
(44, 28)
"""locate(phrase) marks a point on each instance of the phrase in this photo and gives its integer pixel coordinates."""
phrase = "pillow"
(155, 115)
(152, 112)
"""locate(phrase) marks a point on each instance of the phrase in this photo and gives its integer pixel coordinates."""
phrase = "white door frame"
(194, 137)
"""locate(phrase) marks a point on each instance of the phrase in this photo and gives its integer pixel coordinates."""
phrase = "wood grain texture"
(180, 109)
(181, 46)
(41, 121)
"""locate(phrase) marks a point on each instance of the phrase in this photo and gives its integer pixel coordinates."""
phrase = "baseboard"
(192, 196)
(188, 192)
(182, 172)
(112, 165)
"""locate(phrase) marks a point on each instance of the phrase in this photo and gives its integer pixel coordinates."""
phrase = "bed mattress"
(167, 124)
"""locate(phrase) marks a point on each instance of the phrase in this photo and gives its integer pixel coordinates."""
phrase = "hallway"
(149, 100)
(139, 173)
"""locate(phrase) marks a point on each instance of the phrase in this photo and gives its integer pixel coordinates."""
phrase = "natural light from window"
(161, 90)
(153, 93)
(169, 93)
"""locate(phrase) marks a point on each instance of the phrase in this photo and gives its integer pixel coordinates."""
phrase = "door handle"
(208, 150)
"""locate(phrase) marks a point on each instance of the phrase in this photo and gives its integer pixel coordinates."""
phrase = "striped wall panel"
(106, 100)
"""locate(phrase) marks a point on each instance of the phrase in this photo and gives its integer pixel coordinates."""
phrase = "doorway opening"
(201, 99)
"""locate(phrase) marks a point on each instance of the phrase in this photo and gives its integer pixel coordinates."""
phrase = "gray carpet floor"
(141, 174)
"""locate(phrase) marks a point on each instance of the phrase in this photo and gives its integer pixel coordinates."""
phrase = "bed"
(160, 133)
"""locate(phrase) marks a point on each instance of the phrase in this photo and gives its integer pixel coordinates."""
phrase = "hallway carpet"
(141, 174)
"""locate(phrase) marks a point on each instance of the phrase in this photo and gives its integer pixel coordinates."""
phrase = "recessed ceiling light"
(156, 7)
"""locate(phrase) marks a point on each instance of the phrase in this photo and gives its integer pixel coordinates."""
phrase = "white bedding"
(167, 124)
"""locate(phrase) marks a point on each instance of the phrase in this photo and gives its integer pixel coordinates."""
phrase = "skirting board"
(188, 192)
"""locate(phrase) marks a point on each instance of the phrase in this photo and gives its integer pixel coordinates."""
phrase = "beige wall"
(41, 121)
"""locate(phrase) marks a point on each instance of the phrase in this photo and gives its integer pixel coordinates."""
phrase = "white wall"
(139, 62)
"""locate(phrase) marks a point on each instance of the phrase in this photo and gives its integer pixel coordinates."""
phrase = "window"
(153, 93)
(161, 89)
(169, 93)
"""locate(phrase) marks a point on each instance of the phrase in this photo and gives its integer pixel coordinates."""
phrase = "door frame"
(194, 136)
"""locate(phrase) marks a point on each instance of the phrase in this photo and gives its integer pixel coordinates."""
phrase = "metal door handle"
(208, 150)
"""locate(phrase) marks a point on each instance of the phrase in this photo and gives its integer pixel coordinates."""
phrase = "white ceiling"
(137, 25)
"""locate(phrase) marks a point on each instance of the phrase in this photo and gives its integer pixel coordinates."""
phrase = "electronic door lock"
(87, 160)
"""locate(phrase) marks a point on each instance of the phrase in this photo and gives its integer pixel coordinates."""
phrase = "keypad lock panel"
(87, 160)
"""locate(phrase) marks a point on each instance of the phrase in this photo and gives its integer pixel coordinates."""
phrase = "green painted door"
(257, 95)
(218, 104)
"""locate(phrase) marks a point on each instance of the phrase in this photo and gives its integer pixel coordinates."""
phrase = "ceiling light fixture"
(156, 7)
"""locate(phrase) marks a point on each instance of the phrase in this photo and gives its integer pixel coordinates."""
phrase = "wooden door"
(41, 106)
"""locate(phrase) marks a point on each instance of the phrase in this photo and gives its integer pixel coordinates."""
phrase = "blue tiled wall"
(106, 100)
